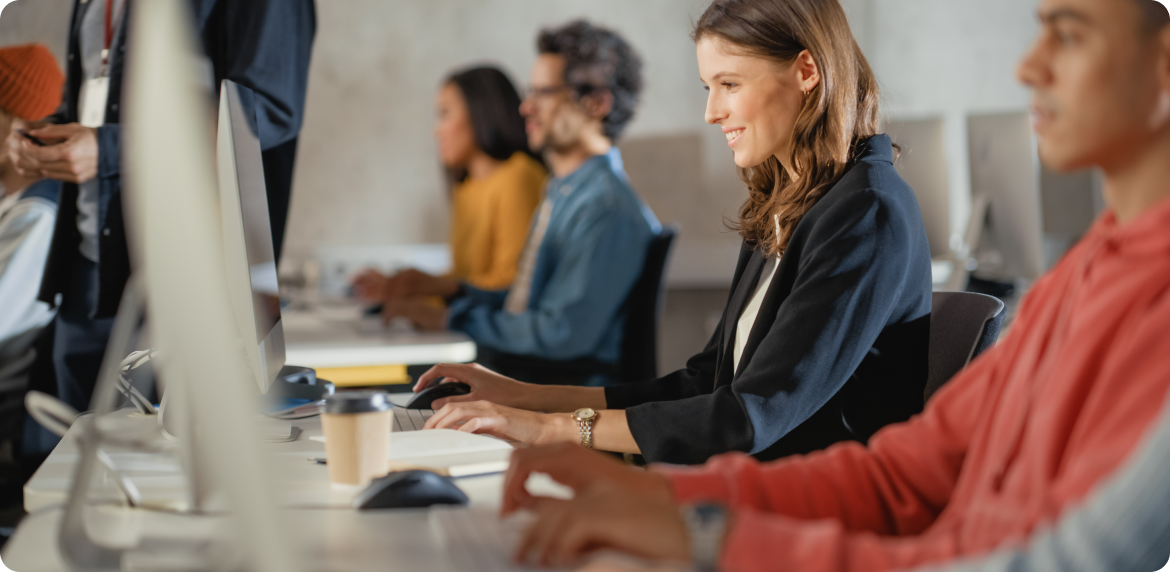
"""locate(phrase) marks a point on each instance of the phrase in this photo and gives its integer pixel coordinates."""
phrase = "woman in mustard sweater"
(495, 187)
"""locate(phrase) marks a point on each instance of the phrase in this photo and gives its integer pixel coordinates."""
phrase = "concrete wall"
(44, 21)
(367, 171)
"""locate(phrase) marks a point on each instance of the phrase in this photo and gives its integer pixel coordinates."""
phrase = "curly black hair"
(598, 59)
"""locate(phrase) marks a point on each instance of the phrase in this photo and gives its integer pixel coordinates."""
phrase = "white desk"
(322, 526)
(297, 482)
(323, 539)
(339, 336)
(318, 516)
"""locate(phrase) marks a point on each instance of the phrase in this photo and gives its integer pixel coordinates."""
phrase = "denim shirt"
(589, 260)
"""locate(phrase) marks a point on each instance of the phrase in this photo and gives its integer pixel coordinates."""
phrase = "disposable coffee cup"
(357, 436)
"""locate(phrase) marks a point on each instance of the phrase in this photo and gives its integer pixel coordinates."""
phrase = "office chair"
(962, 326)
(639, 361)
(639, 352)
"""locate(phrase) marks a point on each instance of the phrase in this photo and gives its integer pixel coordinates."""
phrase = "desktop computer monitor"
(174, 231)
(1005, 170)
(922, 163)
(247, 234)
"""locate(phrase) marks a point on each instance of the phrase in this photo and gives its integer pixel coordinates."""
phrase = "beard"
(564, 131)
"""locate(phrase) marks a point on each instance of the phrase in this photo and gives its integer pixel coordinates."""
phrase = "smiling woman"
(804, 79)
(824, 338)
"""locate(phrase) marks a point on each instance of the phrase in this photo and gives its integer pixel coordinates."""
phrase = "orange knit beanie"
(30, 81)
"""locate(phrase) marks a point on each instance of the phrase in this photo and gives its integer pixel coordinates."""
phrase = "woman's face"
(453, 128)
(755, 100)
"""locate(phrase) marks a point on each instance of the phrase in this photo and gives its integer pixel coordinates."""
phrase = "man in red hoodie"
(1024, 433)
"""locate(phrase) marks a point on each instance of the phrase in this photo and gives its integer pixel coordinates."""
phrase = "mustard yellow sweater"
(490, 220)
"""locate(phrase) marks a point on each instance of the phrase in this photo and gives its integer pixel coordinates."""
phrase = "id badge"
(94, 93)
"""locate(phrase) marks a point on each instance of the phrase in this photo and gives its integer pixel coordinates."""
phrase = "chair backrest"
(639, 358)
(962, 326)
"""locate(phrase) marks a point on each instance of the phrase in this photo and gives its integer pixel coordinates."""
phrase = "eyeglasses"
(541, 92)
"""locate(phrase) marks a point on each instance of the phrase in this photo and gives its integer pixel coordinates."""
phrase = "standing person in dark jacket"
(825, 336)
(260, 44)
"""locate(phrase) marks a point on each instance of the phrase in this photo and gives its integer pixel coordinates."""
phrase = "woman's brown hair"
(837, 114)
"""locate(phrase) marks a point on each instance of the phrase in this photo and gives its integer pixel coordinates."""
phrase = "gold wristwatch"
(585, 418)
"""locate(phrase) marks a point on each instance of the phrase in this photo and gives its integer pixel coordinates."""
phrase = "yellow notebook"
(365, 375)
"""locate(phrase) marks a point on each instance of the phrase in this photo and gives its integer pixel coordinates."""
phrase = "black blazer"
(838, 350)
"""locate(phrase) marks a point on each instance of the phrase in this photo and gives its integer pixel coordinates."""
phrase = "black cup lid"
(346, 402)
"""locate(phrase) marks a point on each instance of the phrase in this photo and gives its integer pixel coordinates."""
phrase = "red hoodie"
(1012, 441)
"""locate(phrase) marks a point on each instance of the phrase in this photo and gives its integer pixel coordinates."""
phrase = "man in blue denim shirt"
(588, 239)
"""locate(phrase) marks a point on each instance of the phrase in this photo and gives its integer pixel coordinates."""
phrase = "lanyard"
(109, 31)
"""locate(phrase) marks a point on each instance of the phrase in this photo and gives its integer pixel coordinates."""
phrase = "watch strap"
(585, 426)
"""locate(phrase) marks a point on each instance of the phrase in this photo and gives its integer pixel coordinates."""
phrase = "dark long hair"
(493, 106)
(837, 114)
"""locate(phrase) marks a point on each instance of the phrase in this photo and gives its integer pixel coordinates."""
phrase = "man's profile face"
(1098, 83)
(553, 117)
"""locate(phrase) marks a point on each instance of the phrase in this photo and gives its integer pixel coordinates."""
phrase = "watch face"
(585, 413)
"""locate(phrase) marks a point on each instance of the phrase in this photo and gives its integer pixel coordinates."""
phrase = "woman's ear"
(808, 73)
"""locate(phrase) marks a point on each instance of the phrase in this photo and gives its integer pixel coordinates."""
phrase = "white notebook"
(411, 445)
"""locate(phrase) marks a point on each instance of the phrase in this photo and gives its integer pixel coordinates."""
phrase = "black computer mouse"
(409, 489)
(424, 398)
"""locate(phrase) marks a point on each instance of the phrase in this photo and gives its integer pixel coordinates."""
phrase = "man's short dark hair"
(597, 59)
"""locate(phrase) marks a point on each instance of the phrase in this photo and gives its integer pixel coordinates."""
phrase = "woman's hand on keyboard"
(368, 285)
(578, 468)
(502, 422)
(411, 283)
(486, 385)
(604, 517)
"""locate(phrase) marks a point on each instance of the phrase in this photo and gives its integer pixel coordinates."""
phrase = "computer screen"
(1006, 170)
(922, 163)
(247, 232)
(181, 256)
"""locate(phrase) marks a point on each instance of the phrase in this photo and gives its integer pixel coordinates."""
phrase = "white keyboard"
(477, 540)
(411, 419)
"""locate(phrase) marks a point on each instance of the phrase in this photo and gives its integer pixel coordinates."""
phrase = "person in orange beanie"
(30, 82)
(30, 89)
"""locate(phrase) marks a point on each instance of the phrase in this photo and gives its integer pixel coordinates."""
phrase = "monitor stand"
(296, 382)
(197, 547)
(78, 547)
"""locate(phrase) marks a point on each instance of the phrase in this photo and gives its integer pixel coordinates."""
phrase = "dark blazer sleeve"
(265, 45)
(109, 138)
(852, 268)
